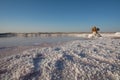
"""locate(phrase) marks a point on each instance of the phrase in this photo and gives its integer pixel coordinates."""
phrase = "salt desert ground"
(88, 59)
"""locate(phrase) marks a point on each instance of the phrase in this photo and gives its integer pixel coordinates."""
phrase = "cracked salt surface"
(97, 59)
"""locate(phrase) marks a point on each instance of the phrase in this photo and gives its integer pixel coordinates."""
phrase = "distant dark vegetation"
(36, 34)
(41, 34)
(7, 34)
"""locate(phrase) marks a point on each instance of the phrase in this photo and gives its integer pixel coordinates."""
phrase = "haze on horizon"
(59, 15)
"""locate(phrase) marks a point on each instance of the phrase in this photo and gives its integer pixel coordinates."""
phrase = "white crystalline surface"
(94, 59)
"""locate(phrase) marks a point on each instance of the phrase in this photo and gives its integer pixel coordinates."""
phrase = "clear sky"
(59, 15)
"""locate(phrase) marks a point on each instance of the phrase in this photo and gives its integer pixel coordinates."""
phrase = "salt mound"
(117, 33)
(94, 36)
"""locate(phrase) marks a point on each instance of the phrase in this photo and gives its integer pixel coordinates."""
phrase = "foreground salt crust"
(95, 59)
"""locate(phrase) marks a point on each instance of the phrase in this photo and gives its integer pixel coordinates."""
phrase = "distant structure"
(95, 32)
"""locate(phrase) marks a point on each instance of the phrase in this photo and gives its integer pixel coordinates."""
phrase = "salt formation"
(117, 34)
(95, 33)
(93, 59)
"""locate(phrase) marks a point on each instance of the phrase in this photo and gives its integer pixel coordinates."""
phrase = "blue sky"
(59, 15)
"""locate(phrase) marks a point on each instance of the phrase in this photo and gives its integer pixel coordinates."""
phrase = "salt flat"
(90, 59)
